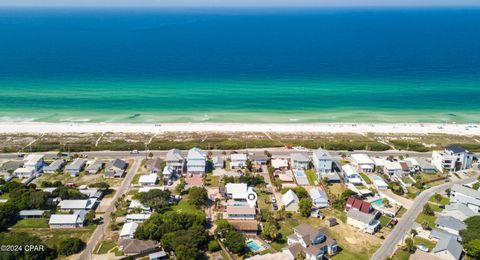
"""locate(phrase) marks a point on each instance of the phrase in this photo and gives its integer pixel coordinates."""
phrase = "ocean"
(240, 65)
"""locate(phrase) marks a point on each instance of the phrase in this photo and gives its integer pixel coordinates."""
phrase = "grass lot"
(213, 181)
(4, 196)
(311, 176)
(264, 201)
(185, 207)
(366, 178)
(384, 220)
(426, 218)
(136, 178)
(401, 255)
(420, 240)
(401, 212)
(286, 229)
(32, 223)
(435, 208)
(336, 188)
(444, 200)
(104, 247)
(51, 237)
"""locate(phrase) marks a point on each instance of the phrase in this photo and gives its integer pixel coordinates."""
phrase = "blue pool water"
(253, 246)
(300, 174)
(377, 202)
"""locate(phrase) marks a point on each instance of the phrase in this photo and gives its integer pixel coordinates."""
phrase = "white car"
(134, 152)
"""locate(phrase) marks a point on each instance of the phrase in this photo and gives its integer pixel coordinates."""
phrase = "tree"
(100, 185)
(213, 246)
(186, 252)
(180, 188)
(156, 199)
(300, 256)
(413, 232)
(386, 202)
(472, 232)
(70, 246)
(425, 225)
(198, 196)
(235, 242)
(24, 239)
(150, 154)
(427, 210)
(437, 197)
(223, 228)
(305, 207)
(473, 248)
(90, 218)
(270, 230)
(448, 191)
(8, 214)
(409, 245)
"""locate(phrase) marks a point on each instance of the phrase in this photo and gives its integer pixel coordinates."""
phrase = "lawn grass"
(104, 247)
(444, 200)
(435, 208)
(426, 218)
(263, 201)
(336, 188)
(213, 181)
(136, 178)
(366, 178)
(401, 212)
(344, 254)
(32, 223)
(4, 196)
(401, 255)
(420, 240)
(286, 229)
(51, 237)
(311, 176)
(185, 207)
(384, 220)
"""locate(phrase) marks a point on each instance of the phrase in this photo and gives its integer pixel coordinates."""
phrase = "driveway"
(98, 233)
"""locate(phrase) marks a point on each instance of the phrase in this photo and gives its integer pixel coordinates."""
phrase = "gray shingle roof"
(456, 149)
(467, 191)
(299, 157)
(450, 244)
(450, 222)
(54, 166)
(360, 216)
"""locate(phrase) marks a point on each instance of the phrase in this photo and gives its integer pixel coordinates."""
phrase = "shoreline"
(358, 128)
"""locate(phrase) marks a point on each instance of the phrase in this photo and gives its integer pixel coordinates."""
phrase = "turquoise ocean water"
(248, 65)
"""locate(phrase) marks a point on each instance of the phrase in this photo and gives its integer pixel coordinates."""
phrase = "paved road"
(100, 230)
(276, 152)
(405, 224)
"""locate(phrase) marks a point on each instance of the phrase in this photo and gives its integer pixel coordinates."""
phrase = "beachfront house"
(196, 161)
(453, 158)
(115, 168)
(74, 220)
(148, 180)
(34, 161)
(67, 205)
(319, 198)
(393, 168)
(465, 195)
(351, 175)
(154, 166)
(425, 166)
(128, 230)
(175, 159)
(299, 161)
(75, 167)
(54, 167)
(322, 161)
(290, 201)
(448, 248)
(218, 162)
(94, 166)
(363, 162)
(238, 160)
(365, 222)
(450, 224)
(313, 242)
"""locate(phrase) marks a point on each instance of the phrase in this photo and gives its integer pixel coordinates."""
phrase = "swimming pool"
(377, 178)
(377, 202)
(253, 246)
(300, 173)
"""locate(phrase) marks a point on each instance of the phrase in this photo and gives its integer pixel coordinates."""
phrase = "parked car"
(134, 152)
(423, 247)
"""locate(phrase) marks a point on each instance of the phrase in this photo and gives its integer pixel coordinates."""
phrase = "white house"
(279, 163)
(196, 161)
(54, 167)
(218, 162)
(238, 160)
(67, 220)
(34, 161)
(138, 218)
(66, 205)
(393, 168)
(168, 172)
(175, 159)
(74, 168)
(364, 221)
(299, 161)
(136, 204)
(322, 161)
(363, 163)
(128, 230)
(351, 175)
(24, 172)
(450, 224)
(148, 180)
(467, 196)
(319, 198)
(290, 201)
(94, 166)
(240, 192)
(453, 158)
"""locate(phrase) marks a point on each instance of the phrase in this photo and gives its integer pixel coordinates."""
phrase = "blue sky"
(212, 3)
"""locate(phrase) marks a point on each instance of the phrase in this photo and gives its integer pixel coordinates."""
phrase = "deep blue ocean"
(240, 65)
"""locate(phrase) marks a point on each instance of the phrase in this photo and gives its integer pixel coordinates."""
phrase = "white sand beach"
(362, 128)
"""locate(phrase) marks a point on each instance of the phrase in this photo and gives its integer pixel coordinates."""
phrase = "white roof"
(362, 158)
(128, 229)
(233, 188)
(77, 204)
(349, 170)
(137, 216)
(238, 157)
(379, 182)
(28, 170)
(196, 153)
(60, 219)
(147, 189)
(33, 158)
(137, 204)
(279, 163)
(289, 197)
(379, 161)
(392, 165)
(167, 170)
(317, 195)
(151, 178)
